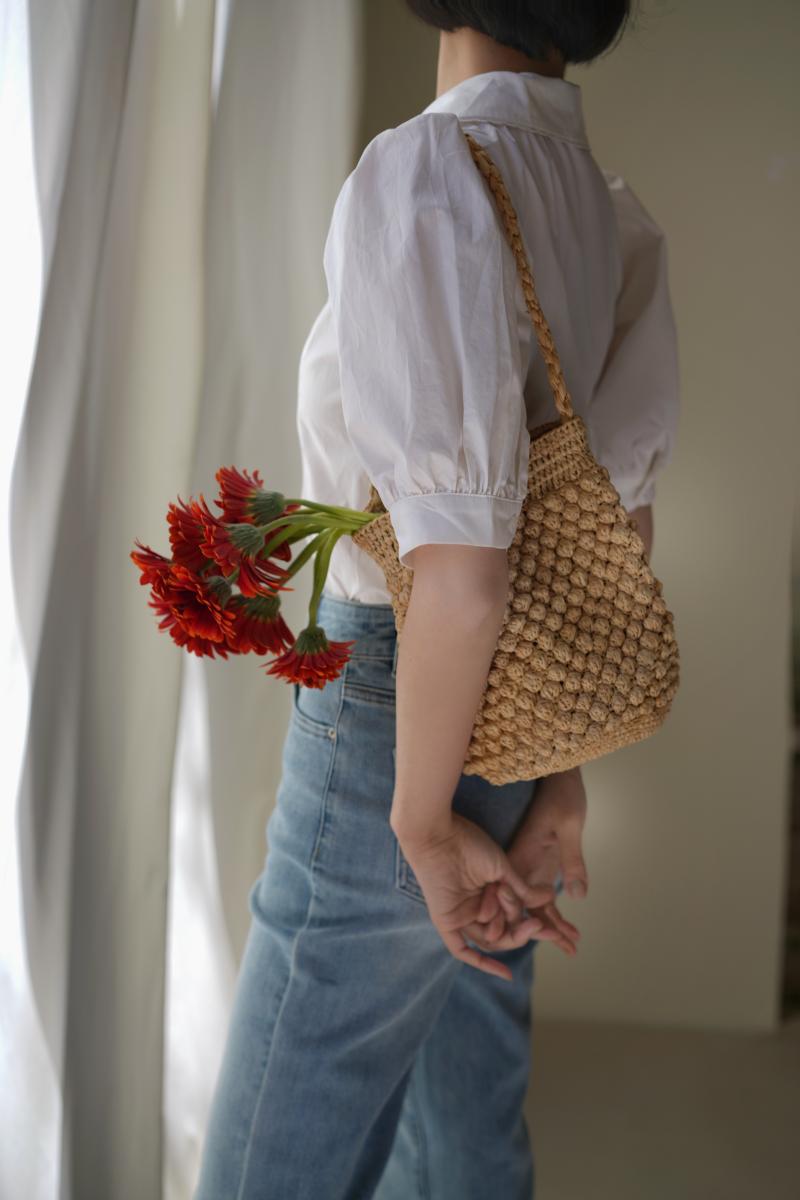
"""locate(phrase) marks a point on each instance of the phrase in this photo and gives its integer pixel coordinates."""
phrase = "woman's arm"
(451, 628)
(644, 522)
(550, 839)
(452, 623)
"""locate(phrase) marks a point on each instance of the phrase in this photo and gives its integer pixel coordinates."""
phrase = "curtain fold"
(187, 158)
(107, 435)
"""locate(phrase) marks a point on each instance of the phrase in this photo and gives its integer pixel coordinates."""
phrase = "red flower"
(258, 626)
(219, 592)
(234, 547)
(243, 500)
(237, 491)
(187, 534)
(312, 660)
(192, 614)
(156, 569)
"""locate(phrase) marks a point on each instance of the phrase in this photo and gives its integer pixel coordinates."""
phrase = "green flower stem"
(288, 535)
(321, 571)
(313, 522)
(334, 509)
(312, 548)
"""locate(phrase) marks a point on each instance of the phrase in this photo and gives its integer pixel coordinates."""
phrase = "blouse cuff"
(453, 519)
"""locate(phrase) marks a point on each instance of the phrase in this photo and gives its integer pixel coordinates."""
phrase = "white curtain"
(178, 164)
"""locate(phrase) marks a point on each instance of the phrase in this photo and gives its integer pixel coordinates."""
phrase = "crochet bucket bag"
(586, 659)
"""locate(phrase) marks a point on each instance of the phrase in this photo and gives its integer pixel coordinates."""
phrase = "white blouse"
(422, 372)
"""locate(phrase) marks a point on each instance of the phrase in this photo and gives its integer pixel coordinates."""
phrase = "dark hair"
(580, 29)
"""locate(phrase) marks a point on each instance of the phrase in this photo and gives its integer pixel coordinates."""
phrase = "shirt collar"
(541, 103)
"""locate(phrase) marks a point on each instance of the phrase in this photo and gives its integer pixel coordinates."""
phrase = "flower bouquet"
(219, 593)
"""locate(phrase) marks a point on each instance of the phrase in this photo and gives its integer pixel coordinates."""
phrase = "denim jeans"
(362, 1059)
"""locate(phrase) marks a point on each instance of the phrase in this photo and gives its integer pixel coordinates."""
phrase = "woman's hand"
(548, 840)
(453, 867)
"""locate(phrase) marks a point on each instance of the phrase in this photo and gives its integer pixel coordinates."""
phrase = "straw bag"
(586, 660)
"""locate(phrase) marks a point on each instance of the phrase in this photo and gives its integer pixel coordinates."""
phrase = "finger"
(561, 921)
(490, 904)
(512, 906)
(532, 895)
(495, 928)
(566, 938)
(549, 933)
(568, 927)
(509, 938)
(527, 929)
(459, 949)
(573, 865)
(466, 911)
(487, 931)
(530, 928)
(497, 924)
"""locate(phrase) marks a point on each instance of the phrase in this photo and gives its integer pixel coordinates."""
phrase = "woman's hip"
(334, 799)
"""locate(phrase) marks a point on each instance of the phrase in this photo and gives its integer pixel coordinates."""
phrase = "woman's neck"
(465, 52)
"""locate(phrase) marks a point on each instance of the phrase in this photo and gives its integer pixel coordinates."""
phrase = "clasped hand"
(499, 899)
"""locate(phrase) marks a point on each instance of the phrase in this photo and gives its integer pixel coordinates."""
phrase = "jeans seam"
(371, 695)
(423, 1180)
(326, 788)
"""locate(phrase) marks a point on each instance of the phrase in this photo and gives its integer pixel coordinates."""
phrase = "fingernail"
(507, 895)
(576, 889)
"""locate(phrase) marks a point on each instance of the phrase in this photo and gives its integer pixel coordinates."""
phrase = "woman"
(380, 1036)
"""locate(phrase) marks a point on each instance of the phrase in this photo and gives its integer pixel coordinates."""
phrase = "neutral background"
(171, 168)
(686, 836)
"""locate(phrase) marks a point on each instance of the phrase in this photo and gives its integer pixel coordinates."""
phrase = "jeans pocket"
(316, 710)
(368, 677)
(300, 817)
(404, 878)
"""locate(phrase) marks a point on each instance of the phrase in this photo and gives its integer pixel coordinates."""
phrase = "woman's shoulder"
(404, 169)
(412, 142)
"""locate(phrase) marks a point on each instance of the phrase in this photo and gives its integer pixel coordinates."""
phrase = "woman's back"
(413, 372)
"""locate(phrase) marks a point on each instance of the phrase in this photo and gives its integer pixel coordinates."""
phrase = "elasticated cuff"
(453, 519)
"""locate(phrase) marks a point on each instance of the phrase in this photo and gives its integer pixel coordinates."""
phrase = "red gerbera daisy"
(219, 592)
(156, 569)
(243, 500)
(234, 548)
(258, 626)
(312, 660)
(237, 490)
(192, 614)
(187, 534)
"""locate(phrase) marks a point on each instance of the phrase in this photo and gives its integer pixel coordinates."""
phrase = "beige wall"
(687, 831)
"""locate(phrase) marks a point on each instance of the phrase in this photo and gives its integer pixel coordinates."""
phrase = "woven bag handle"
(511, 226)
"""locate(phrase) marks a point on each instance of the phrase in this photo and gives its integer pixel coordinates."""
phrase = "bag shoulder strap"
(511, 227)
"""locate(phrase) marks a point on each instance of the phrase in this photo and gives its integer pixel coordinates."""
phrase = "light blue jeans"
(362, 1060)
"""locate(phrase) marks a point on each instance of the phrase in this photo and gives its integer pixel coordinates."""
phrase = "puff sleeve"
(432, 360)
(633, 416)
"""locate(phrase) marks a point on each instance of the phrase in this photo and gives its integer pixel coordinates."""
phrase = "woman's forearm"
(453, 619)
(644, 524)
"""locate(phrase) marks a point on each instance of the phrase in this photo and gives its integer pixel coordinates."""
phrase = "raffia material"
(586, 660)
